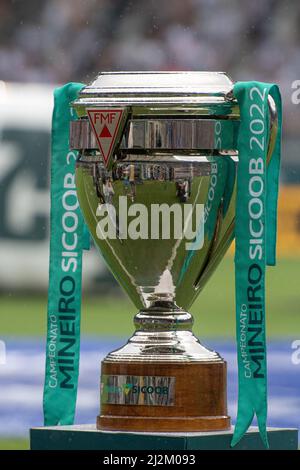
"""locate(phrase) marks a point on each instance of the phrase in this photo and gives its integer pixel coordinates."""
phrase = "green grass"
(214, 309)
(14, 444)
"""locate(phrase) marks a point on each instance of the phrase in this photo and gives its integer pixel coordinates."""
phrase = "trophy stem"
(163, 379)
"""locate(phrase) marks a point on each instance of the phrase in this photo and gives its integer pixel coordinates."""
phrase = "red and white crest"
(105, 124)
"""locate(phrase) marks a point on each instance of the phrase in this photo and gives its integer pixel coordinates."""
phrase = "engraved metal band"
(137, 390)
(163, 134)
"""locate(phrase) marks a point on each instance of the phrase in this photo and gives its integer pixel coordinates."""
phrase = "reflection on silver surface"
(163, 134)
(175, 149)
(157, 270)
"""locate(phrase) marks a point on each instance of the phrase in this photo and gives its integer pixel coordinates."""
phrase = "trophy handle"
(217, 248)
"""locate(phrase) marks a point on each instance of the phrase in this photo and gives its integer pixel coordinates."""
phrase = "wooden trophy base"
(196, 400)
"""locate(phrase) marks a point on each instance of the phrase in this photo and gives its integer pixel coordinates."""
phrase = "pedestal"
(86, 437)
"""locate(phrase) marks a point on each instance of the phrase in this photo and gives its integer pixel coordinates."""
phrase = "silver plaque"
(137, 390)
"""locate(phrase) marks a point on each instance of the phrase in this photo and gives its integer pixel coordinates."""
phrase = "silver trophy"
(165, 141)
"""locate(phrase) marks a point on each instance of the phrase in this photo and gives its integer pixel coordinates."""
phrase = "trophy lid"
(162, 83)
(160, 110)
(160, 92)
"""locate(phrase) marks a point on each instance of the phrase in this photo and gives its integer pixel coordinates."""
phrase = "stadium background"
(43, 44)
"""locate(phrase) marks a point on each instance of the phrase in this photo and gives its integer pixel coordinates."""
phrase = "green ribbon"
(255, 235)
(68, 237)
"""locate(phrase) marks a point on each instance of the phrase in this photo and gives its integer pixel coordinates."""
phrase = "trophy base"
(163, 397)
(142, 424)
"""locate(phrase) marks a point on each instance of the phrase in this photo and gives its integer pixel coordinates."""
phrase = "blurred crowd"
(61, 40)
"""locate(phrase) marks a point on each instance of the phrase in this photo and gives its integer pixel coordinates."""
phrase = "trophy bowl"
(156, 183)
